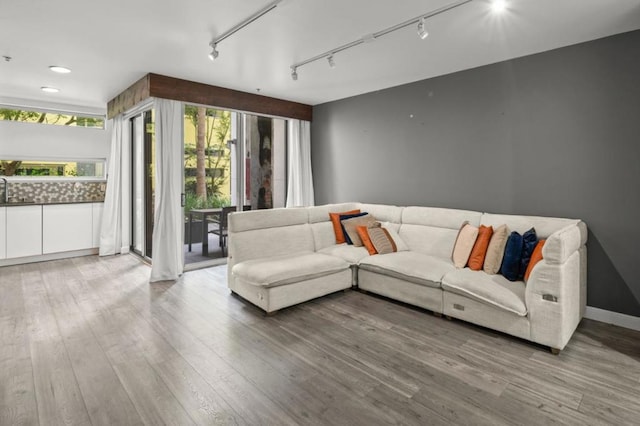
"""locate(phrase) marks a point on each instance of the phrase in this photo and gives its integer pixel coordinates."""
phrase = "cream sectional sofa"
(282, 257)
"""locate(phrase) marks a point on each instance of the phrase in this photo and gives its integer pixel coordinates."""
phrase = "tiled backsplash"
(43, 192)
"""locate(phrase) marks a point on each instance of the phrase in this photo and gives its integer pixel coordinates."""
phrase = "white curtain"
(168, 262)
(114, 229)
(299, 177)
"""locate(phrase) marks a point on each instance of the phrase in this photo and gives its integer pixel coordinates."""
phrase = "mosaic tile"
(56, 192)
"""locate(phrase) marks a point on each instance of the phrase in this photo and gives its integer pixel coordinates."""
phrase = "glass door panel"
(209, 135)
(142, 183)
(265, 162)
(137, 193)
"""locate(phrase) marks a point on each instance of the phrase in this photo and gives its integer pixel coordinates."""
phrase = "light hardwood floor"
(90, 341)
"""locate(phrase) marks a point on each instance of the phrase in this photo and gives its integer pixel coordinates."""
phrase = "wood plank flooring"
(90, 341)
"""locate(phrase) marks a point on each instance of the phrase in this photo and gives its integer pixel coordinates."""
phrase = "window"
(86, 168)
(54, 118)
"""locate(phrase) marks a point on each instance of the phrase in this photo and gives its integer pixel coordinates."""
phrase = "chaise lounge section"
(282, 257)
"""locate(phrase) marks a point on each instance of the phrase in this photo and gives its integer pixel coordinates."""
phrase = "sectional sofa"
(282, 257)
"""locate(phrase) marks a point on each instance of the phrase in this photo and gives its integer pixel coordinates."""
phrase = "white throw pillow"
(464, 244)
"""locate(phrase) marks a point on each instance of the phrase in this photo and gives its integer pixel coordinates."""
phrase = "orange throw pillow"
(363, 232)
(479, 251)
(536, 257)
(337, 226)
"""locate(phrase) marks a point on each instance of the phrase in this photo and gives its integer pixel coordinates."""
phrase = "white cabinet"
(67, 227)
(24, 231)
(3, 232)
(97, 222)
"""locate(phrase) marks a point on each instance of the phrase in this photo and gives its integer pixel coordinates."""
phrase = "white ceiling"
(111, 44)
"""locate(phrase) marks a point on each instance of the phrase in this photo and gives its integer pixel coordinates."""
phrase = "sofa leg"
(270, 314)
(437, 314)
(555, 351)
(448, 317)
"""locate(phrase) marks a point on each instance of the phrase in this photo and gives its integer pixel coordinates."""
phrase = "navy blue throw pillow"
(344, 231)
(529, 241)
(512, 257)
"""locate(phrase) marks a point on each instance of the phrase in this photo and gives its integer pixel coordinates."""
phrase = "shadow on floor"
(195, 255)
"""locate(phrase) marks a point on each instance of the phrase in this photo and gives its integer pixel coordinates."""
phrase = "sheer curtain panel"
(114, 229)
(299, 177)
(168, 261)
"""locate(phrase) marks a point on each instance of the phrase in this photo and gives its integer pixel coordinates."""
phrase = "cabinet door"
(3, 232)
(24, 231)
(66, 227)
(97, 222)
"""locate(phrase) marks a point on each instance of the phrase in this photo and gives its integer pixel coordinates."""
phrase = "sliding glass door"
(209, 134)
(232, 162)
(265, 162)
(142, 183)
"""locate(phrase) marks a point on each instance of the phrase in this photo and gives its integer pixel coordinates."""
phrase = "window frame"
(61, 111)
(103, 161)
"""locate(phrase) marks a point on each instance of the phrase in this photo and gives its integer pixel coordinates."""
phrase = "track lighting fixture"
(422, 32)
(369, 38)
(214, 52)
(214, 43)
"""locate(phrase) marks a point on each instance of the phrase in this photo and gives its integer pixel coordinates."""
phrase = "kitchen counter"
(48, 203)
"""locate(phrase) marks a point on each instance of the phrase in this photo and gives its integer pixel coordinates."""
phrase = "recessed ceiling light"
(49, 89)
(499, 5)
(59, 69)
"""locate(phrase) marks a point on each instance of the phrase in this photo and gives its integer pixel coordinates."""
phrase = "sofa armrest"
(564, 242)
(556, 299)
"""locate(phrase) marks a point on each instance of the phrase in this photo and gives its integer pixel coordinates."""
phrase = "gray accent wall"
(552, 134)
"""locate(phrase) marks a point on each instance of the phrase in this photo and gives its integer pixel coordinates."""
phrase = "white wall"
(41, 141)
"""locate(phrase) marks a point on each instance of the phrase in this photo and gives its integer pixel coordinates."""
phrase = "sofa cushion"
(429, 240)
(495, 251)
(350, 228)
(337, 226)
(344, 217)
(529, 241)
(282, 270)
(535, 258)
(410, 266)
(512, 257)
(464, 244)
(397, 240)
(494, 290)
(363, 233)
(383, 212)
(382, 241)
(476, 259)
(350, 254)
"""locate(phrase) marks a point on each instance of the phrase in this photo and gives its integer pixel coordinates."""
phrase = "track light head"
(214, 52)
(294, 73)
(422, 32)
(332, 63)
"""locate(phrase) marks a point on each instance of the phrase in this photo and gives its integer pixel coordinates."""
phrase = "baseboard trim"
(615, 318)
(47, 257)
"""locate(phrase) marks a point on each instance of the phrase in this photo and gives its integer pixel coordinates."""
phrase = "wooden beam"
(160, 86)
(132, 96)
(198, 93)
